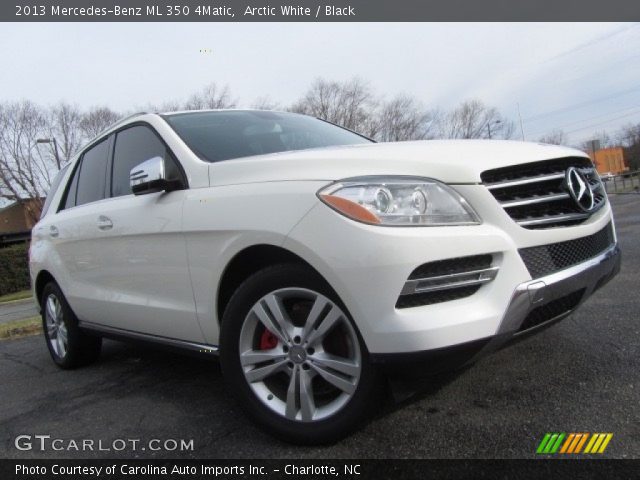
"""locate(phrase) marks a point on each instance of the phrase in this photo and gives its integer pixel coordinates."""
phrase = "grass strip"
(21, 328)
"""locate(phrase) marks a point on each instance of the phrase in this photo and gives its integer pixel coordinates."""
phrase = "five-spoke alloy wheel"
(68, 345)
(300, 354)
(293, 356)
(56, 327)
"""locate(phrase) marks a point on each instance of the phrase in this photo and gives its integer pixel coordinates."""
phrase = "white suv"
(311, 259)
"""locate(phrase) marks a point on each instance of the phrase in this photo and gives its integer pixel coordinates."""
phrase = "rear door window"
(54, 188)
(70, 199)
(92, 176)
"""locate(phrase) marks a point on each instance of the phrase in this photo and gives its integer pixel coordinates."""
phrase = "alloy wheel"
(57, 333)
(300, 354)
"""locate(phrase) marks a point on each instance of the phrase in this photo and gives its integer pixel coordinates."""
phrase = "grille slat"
(446, 280)
(535, 195)
(554, 219)
(451, 266)
(430, 298)
(540, 199)
(525, 181)
(547, 259)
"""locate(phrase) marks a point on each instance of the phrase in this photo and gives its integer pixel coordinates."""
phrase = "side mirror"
(150, 177)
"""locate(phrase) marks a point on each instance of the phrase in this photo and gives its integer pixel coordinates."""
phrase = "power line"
(635, 89)
(559, 127)
(604, 123)
(589, 43)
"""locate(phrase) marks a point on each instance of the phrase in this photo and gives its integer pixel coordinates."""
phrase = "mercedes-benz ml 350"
(311, 259)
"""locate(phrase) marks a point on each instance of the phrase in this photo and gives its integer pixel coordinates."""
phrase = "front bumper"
(534, 305)
(368, 266)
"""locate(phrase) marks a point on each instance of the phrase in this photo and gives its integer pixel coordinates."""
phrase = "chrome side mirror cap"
(150, 177)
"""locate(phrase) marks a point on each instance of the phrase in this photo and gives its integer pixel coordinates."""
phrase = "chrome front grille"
(539, 194)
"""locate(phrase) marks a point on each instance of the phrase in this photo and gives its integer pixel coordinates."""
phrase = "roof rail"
(122, 120)
(113, 125)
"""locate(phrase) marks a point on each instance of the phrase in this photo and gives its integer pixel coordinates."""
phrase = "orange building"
(609, 160)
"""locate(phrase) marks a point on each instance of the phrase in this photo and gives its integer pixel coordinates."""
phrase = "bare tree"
(96, 120)
(404, 118)
(474, 119)
(554, 137)
(168, 106)
(265, 103)
(212, 96)
(629, 138)
(596, 141)
(350, 104)
(604, 138)
(25, 173)
(64, 125)
(629, 135)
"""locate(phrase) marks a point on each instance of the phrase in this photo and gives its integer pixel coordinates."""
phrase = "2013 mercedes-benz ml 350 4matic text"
(311, 259)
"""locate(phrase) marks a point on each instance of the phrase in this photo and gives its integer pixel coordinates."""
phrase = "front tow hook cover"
(536, 292)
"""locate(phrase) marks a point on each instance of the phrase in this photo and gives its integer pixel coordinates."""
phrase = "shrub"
(14, 268)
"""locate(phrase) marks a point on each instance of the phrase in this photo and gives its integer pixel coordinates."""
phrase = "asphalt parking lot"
(581, 375)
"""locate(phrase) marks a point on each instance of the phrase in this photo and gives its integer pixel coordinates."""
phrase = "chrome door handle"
(104, 223)
(53, 231)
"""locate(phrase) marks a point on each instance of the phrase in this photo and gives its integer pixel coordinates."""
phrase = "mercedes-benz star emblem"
(579, 189)
(297, 354)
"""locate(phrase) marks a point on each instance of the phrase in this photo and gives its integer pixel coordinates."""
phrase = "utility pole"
(520, 118)
(55, 147)
(497, 122)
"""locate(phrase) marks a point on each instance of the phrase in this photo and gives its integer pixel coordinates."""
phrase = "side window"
(133, 146)
(92, 176)
(52, 191)
(70, 200)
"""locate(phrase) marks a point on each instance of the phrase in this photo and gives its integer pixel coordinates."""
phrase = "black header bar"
(318, 10)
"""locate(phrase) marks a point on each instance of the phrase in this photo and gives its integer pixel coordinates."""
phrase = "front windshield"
(222, 135)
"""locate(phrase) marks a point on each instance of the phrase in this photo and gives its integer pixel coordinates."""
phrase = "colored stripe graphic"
(555, 447)
(598, 443)
(581, 443)
(593, 439)
(572, 443)
(577, 438)
(567, 442)
(605, 442)
(550, 443)
(543, 443)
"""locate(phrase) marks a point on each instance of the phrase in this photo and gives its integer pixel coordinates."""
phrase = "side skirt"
(131, 336)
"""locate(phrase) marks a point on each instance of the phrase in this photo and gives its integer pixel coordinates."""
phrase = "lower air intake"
(553, 310)
(548, 259)
(446, 280)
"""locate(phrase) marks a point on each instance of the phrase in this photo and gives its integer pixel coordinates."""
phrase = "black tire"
(81, 348)
(325, 430)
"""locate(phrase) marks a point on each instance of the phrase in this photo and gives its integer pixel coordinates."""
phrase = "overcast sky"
(579, 77)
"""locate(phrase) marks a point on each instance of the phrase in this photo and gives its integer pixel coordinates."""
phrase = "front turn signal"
(350, 209)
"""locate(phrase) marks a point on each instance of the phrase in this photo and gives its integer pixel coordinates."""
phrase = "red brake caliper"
(268, 340)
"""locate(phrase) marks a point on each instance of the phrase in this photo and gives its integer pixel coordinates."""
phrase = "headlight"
(399, 201)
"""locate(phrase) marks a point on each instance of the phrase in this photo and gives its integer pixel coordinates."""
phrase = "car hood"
(450, 161)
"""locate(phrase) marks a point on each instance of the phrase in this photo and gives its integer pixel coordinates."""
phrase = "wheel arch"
(43, 277)
(249, 261)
